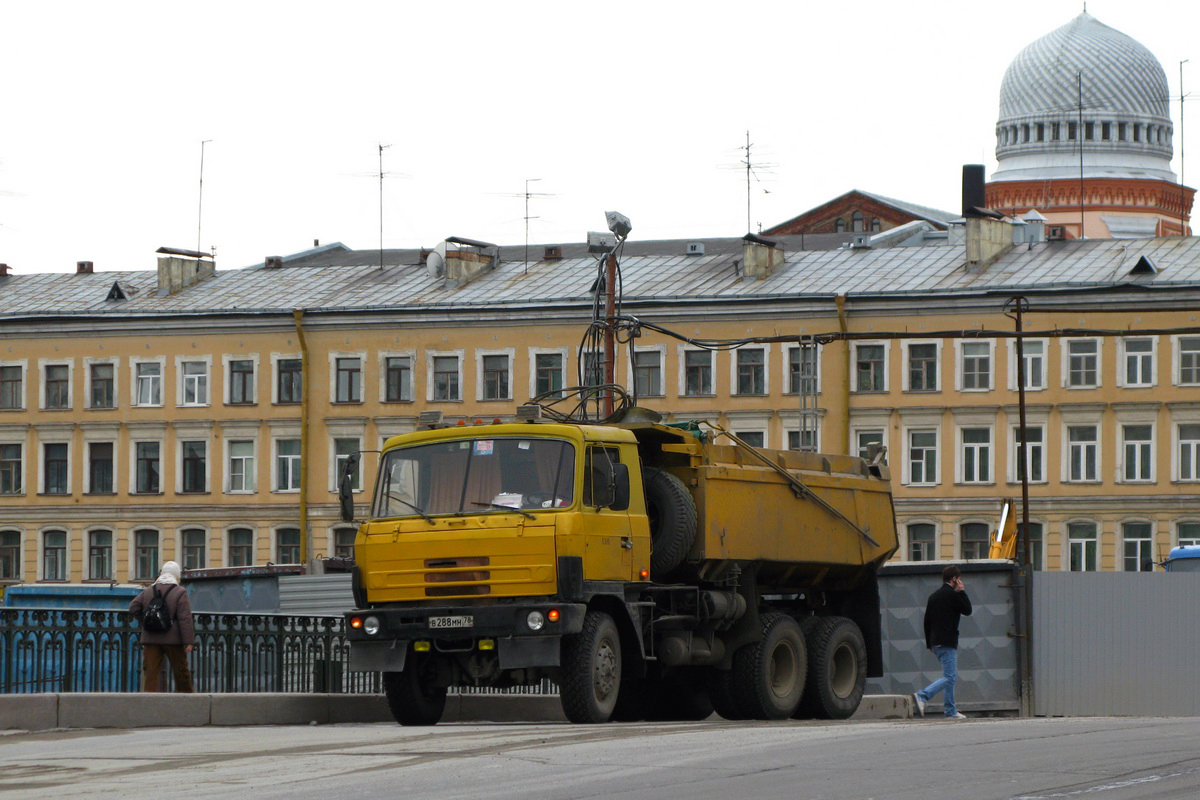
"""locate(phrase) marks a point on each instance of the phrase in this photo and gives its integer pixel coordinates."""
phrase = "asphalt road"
(979, 759)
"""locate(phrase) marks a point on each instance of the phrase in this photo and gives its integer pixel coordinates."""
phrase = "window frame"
(794, 378)
(1124, 356)
(909, 432)
(1014, 469)
(1039, 358)
(431, 374)
(536, 372)
(20, 472)
(189, 467)
(657, 370)
(856, 361)
(685, 369)
(1092, 557)
(347, 387)
(12, 552)
(64, 389)
(1068, 367)
(1179, 356)
(906, 349)
(484, 376)
(89, 382)
(1144, 459)
(249, 464)
(229, 544)
(89, 563)
(135, 462)
(45, 467)
(759, 372)
(158, 382)
(909, 544)
(1145, 545)
(277, 379)
(198, 383)
(385, 376)
(90, 469)
(63, 552)
(1068, 450)
(988, 357)
(20, 393)
(980, 546)
(976, 458)
(143, 565)
(250, 384)
(292, 469)
(1178, 459)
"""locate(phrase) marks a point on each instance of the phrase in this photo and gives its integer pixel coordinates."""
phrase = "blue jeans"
(949, 658)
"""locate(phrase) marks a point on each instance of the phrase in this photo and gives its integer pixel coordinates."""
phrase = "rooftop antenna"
(200, 202)
(752, 175)
(527, 218)
(382, 147)
(1182, 185)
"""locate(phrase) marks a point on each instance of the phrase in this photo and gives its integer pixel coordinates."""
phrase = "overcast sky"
(640, 107)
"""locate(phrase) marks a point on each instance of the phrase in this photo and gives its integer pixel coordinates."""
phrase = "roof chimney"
(83, 268)
(553, 253)
(760, 257)
(273, 262)
(4, 273)
(973, 192)
(179, 269)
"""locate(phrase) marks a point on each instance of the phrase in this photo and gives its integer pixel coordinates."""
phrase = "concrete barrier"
(39, 712)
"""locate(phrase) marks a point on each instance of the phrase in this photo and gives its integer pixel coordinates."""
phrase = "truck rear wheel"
(411, 695)
(672, 512)
(769, 674)
(591, 670)
(837, 669)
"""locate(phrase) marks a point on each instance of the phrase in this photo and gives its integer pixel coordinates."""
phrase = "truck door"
(608, 543)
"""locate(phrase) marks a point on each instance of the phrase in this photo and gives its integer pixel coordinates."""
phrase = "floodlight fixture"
(618, 223)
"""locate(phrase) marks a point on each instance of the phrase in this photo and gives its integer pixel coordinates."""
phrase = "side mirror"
(620, 487)
(346, 487)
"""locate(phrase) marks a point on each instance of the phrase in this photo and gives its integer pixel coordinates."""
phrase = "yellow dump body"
(748, 511)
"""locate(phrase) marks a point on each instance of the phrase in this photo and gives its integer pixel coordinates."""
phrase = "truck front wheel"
(837, 669)
(591, 670)
(769, 674)
(411, 695)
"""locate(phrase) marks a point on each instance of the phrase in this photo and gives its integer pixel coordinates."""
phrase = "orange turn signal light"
(356, 622)
(644, 574)
(552, 615)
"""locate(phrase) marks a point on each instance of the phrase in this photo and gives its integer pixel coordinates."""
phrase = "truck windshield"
(476, 476)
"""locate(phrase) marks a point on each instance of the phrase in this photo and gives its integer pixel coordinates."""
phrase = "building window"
(54, 556)
(869, 370)
(803, 440)
(10, 469)
(921, 542)
(751, 371)
(922, 457)
(103, 386)
(1082, 452)
(1189, 453)
(398, 379)
(148, 455)
(10, 555)
(195, 548)
(194, 457)
(856, 221)
(1139, 362)
(241, 466)
(56, 466)
(1138, 458)
(1035, 443)
(100, 556)
(58, 386)
(287, 464)
(344, 448)
(1081, 543)
(241, 547)
(1035, 544)
(1083, 364)
(1137, 547)
(548, 371)
(863, 440)
(752, 438)
(348, 378)
(976, 455)
(290, 380)
(922, 367)
(12, 388)
(647, 373)
(343, 542)
(195, 383)
(1189, 360)
(495, 377)
(698, 373)
(148, 383)
(445, 378)
(593, 368)
(876, 225)
(100, 468)
(241, 382)
(287, 546)
(145, 555)
(839, 225)
(802, 370)
(1188, 533)
(973, 539)
(1034, 355)
(976, 366)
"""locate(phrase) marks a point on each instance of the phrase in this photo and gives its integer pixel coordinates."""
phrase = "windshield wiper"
(424, 516)
(520, 511)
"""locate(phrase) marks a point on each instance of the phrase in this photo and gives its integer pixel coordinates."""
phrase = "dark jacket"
(942, 611)
(182, 630)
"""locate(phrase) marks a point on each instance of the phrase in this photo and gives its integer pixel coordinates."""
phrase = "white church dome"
(1084, 84)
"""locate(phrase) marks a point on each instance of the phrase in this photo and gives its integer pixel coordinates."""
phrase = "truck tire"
(805, 709)
(411, 696)
(837, 669)
(591, 670)
(721, 695)
(769, 674)
(672, 512)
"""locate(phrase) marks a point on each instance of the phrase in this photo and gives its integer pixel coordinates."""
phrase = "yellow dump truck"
(648, 572)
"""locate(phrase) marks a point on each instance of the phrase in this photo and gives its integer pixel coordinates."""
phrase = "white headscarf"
(171, 573)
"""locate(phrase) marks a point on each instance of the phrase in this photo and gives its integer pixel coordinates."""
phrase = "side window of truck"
(605, 479)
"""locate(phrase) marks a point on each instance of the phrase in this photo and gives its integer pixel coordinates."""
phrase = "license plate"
(451, 622)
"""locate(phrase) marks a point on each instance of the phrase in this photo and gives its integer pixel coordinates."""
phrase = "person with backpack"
(163, 611)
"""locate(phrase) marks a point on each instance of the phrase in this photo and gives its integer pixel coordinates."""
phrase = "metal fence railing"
(85, 650)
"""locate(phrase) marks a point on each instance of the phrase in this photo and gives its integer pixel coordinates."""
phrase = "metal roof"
(364, 286)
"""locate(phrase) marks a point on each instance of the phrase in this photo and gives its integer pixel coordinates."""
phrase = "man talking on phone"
(942, 612)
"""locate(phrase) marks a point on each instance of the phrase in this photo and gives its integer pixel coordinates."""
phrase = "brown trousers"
(152, 662)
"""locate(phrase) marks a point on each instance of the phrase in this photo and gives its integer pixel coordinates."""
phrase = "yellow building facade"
(143, 419)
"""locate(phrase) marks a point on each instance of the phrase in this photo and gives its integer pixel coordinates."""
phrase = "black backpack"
(157, 618)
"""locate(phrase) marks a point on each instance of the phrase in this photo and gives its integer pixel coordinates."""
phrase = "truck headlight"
(371, 626)
(535, 620)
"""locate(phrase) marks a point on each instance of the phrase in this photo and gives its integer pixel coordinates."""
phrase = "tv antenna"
(200, 201)
(527, 195)
(382, 147)
(752, 170)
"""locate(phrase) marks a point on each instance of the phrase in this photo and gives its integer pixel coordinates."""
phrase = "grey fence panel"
(988, 677)
(1115, 643)
(326, 595)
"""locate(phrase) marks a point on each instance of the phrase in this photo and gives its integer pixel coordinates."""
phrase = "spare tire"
(672, 513)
